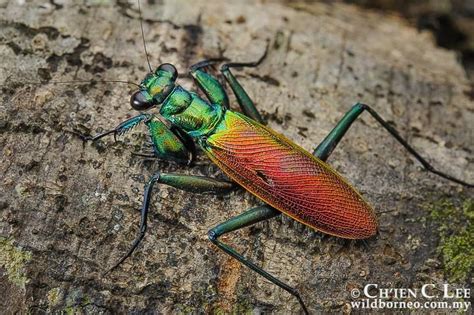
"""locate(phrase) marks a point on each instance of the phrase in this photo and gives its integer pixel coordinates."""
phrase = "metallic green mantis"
(253, 156)
(285, 177)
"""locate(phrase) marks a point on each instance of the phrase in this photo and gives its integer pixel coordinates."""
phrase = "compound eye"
(168, 67)
(140, 102)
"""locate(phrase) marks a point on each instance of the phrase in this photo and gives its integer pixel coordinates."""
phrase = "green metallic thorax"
(191, 113)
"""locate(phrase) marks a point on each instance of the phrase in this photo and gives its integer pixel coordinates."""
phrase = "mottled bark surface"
(69, 210)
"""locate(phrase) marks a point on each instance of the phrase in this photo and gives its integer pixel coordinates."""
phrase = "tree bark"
(69, 209)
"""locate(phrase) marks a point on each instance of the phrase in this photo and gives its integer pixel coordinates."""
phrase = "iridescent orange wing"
(289, 178)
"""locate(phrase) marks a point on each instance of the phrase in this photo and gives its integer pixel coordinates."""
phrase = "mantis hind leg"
(245, 219)
(196, 184)
(326, 147)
